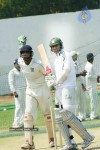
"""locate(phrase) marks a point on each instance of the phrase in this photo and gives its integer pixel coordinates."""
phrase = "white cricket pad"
(63, 127)
(48, 122)
(75, 124)
(28, 125)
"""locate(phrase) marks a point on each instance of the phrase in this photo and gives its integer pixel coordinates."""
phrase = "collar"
(60, 52)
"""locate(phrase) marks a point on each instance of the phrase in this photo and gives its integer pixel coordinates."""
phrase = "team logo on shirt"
(32, 69)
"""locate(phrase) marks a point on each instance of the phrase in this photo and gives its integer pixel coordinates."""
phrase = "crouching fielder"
(37, 93)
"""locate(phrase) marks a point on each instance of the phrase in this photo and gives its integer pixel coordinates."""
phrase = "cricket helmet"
(56, 41)
(26, 48)
(22, 38)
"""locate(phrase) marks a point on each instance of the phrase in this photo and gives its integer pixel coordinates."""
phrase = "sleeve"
(42, 69)
(11, 81)
(66, 69)
(64, 76)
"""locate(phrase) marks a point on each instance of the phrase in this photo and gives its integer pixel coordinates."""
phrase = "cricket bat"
(46, 62)
(43, 55)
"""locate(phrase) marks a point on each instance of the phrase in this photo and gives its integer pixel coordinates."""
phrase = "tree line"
(20, 8)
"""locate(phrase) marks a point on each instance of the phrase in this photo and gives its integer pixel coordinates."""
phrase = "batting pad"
(48, 122)
(28, 125)
(64, 131)
(75, 124)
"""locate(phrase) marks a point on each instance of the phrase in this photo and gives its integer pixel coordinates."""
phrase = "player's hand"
(15, 94)
(83, 87)
(83, 73)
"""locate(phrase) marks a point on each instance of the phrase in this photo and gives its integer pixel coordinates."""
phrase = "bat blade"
(43, 55)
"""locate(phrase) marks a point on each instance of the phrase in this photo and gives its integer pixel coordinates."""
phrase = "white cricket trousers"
(94, 101)
(39, 96)
(81, 100)
(19, 107)
(66, 97)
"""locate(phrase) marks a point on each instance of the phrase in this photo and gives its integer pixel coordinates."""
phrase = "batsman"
(37, 94)
(65, 97)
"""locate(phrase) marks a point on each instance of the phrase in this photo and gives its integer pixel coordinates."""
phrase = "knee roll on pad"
(64, 130)
(48, 122)
(28, 124)
(48, 117)
(28, 117)
(28, 121)
(66, 115)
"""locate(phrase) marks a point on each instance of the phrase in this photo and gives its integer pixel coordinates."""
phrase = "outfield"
(41, 142)
(13, 140)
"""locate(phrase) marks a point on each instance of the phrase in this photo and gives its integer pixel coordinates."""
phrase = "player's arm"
(42, 69)
(65, 70)
(83, 87)
(11, 83)
(64, 76)
(83, 73)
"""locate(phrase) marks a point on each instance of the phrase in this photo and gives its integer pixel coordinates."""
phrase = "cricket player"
(22, 40)
(17, 83)
(37, 94)
(91, 86)
(80, 87)
(65, 97)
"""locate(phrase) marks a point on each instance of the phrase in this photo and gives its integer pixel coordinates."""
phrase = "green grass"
(6, 119)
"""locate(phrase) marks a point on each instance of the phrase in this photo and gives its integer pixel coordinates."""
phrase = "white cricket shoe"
(81, 118)
(27, 146)
(86, 143)
(68, 148)
(94, 117)
(18, 126)
(51, 144)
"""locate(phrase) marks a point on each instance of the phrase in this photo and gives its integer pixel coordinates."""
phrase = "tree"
(18, 8)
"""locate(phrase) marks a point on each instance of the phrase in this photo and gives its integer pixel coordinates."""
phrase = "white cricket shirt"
(16, 80)
(91, 77)
(63, 62)
(34, 72)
